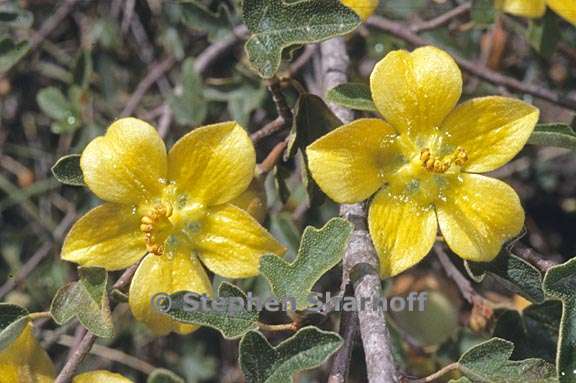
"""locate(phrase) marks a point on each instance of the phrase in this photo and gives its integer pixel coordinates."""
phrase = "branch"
(442, 19)
(220, 48)
(360, 258)
(52, 23)
(532, 257)
(477, 70)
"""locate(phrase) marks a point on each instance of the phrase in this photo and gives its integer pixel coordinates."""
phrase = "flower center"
(156, 227)
(436, 164)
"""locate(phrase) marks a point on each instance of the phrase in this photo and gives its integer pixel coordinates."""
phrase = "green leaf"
(534, 331)
(513, 272)
(560, 283)
(161, 375)
(352, 96)
(489, 362)
(197, 16)
(54, 104)
(16, 17)
(11, 53)
(308, 348)
(320, 250)
(189, 105)
(312, 120)
(67, 170)
(86, 299)
(276, 25)
(243, 98)
(483, 12)
(556, 134)
(13, 319)
(544, 34)
(232, 321)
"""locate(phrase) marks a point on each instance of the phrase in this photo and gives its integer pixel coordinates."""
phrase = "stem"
(438, 374)
(40, 315)
(278, 327)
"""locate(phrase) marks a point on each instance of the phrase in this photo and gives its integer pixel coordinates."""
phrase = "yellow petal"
(127, 165)
(523, 8)
(415, 91)
(213, 164)
(100, 377)
(253, 200)
(24, 361)
(350, 162)
(492, 130)
(565, 8)
(363, 8)
(168, 273)
(402, 230)
(231, 242)
(107, 236)
(478, 215)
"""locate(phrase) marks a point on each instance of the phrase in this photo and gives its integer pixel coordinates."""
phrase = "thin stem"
(278, 327)
(40, 315)
(438, 374)
(443, 19)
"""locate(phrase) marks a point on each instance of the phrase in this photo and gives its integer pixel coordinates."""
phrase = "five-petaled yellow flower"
(423, 162)
(175, 207)
(363, 8)
(24, 361)
(536, 8)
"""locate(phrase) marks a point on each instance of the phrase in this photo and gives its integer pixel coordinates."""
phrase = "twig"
(442, 19)
(280, 102)
(531, 256)
(360, 258)
(278, 327)
(272, 158)
(52, 23)
(39, 315)
(88, 340)
(438, 374)
(349, 331)
(218, 49)
(475, 69)
(158, 70)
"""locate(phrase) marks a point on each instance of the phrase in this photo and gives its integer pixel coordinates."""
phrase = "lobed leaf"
(320, 250)
(352, 96)
(13, 320)
(277, 24)
(560, 283)
(86, 299)
(67, 170)
(232, 322)
(263, 363)
(195, 15)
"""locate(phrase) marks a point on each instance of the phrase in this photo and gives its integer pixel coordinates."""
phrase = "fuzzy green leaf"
(560, 283)
(489, 362)
(161, 375)
(189, 105)
(556, 134)
(277, 24)
(197, 16)
(53, 103)
(13, 319)
(86, 299)
(352, 96)
(320, 250)
(11, 53)
(231, 320)
(308, 348)
(513, 272)
(67, 170)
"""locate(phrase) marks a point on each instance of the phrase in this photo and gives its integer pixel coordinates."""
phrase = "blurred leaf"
(276, 25)
(352, 96)
(232, 321)
(243, 98)
(161, 375)
(489, 362)
(196, 364)
(560, 283)
(53, 103)
(263, 363)
(13, 319)
(483, 12)
(82, 72)
(320, 250)
(15, 17)
(534, 331)
(189, 106)
(544, 34)
(67, 170)
(11, 53)
(86, 299)
(513, 272)
(556, 134)
(197, 16)
(312, 120)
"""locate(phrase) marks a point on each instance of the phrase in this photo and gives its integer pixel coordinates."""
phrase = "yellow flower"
(363, 8)
(422, 162)
(24, 361)
(175, 207)
(537, 8)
